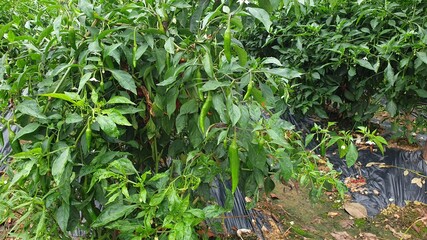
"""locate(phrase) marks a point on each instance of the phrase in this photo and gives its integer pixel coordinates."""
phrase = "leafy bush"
(356, 56)
(126, 112)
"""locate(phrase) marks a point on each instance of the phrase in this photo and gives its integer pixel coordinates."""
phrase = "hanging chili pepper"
(249, 90)
(227, 41)
(88, 136)
(205, 109)
(233, 157)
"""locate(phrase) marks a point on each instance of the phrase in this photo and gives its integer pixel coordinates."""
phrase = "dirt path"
(327, 219)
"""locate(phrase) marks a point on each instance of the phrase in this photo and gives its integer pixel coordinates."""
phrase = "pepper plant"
(358, 57)
(125, 111)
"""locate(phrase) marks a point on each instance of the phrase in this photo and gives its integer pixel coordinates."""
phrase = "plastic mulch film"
(376, 181)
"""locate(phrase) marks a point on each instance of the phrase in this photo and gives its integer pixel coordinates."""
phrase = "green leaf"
(262, 16)
(62, 96)
(157, 198)
(110, 50)
(108, 126)
(364, 63)
(73, 118)
(30, 107)
(171, 101)
(272, 60)
(124, 79)
(286, 168)
(197, 15)
(208, 64)
(389, 75)
(241, 54)
(284, 72)
(62, 215)
(117, 117)
(391, 107)
(352, 155)
(265, 4)
(58, 165)
(41, 225)
(169, 45)
(120, 100)
(123, 166)
(234, 114)
(24, 172)
(189, 107)
(111, 213)
(83, 81)
(181, 122)
(422, 56)
(168, 81)
(308, 139)
(336, 99)
(212, 85)
(421, 93)
(30, 128)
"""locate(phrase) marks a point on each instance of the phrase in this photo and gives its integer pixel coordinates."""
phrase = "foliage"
(355, 56)
(127, 111)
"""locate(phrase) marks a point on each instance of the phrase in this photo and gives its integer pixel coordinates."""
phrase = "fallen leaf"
(399, 235)
(356, 210)
(273, 196)
(368, 236)
(248, 199)
(332, 214)
(346, 223)
(341, 236)
(417, 181)
(243, 231)
(405, 173)
(380, 164)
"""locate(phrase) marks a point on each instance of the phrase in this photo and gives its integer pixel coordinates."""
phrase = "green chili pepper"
(72, 36)
(249, 90)
(227, 42)
(88, 136)
(233, 157)
(205, 109)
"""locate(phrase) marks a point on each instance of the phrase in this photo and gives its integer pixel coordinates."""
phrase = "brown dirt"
(326, 219)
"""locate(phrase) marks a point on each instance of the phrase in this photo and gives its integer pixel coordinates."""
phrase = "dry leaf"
(346, 223)
(356, 210)
(405, 173)
(332, 214)
(399, 235)
(273, 196)
(248, 199)
(368, 236)
(417, 181)
(243, 231)
(375, 163)
(341, 236)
